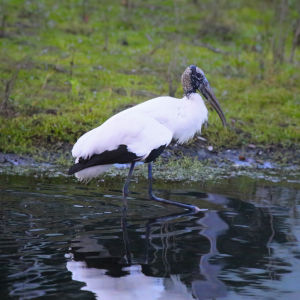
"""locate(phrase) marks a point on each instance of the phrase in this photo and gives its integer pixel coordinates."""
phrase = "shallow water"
(63, 240)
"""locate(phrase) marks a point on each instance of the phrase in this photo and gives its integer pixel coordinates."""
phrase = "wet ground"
(258, 156)
(63, 240)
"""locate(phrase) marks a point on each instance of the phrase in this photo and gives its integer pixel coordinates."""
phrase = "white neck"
(193, 113)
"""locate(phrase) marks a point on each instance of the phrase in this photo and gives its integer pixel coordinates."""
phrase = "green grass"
(79, 62)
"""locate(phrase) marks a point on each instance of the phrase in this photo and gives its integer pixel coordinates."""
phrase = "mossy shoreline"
(68, 66)
(197, 153)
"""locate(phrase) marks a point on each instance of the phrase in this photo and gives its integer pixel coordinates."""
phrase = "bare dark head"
(193, 79)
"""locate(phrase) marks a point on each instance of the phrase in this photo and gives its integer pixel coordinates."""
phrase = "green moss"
(80, 62)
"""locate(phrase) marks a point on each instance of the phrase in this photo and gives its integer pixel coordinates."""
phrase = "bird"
(141, 133)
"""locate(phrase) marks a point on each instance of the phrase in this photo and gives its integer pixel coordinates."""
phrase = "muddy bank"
(249, 156)
(10, 159)
(270, 156)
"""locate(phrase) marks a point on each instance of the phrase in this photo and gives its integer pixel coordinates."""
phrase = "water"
(63, 240)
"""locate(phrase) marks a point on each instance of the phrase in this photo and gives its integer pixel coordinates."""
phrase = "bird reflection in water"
(142, 280)
(211, 287)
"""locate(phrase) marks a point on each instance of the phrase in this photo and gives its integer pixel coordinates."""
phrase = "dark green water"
(63, 240)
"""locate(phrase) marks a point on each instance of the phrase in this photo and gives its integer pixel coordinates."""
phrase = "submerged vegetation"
(67, 66)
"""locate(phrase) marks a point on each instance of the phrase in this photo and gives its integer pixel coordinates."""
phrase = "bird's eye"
(198, 71)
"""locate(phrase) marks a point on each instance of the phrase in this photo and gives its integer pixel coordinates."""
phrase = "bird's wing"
(140, 133)
(163, 109)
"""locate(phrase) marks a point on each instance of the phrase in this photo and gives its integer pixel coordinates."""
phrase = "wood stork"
(141, 133)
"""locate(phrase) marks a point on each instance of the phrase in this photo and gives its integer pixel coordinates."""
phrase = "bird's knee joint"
(125, 192)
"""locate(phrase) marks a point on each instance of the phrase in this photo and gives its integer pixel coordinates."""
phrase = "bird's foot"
(186, 206)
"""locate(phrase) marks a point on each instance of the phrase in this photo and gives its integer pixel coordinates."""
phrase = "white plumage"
(142, 132)
(143, 128)
(135, 285)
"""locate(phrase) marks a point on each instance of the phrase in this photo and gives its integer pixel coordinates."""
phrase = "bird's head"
(193, 78)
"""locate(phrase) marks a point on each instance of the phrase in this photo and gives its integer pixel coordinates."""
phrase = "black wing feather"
(155, 153)
(121, 155)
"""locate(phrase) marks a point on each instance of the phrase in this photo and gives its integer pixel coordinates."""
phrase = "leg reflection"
(125, 238)
(160, 220)
(150, 222)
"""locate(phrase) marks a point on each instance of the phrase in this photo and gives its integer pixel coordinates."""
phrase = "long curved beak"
(208, 93)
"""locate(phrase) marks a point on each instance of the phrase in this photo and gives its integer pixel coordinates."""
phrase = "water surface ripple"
(67, 241)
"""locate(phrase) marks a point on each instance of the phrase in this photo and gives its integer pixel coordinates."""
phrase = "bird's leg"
(126, 186)
(152, 197)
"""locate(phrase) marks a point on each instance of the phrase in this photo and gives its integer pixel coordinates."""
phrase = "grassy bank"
(67, 66)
